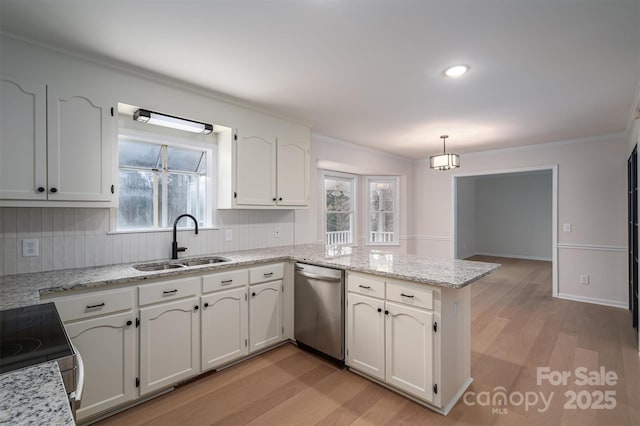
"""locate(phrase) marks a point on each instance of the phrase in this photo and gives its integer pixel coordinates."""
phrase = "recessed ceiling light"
(456, 70)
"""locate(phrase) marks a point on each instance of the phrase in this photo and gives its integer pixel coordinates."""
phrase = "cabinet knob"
(280, 199)
(386, 312)
(253, 294)
(206, 305)
(274, 198)
(129, 322)
(54, 190)
(379, 309)
(40, 189)
(196, 307)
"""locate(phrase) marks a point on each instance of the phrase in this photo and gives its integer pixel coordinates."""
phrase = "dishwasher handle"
(319, 277)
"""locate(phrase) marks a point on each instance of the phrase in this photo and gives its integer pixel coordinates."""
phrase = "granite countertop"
(34, 395)
(25, 289)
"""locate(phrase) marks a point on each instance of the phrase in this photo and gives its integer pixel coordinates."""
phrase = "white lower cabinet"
(409, 349)
(391, 341)
(224, 321)
(169, 343)
(365, 334)
(108, 348)
(265, 315)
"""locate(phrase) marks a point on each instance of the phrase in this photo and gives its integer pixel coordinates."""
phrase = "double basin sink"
(177, 264)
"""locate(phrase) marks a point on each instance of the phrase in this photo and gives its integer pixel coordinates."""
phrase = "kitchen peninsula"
(424, 302)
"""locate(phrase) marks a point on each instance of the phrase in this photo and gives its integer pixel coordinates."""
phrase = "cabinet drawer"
(168, 290)
(410, 294)
(222, 280)
(266, 273)
(366, 284)
(93, 304)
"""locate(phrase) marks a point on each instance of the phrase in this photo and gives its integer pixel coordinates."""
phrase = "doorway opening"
(507, 213)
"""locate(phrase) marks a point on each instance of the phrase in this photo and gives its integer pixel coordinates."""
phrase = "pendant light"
(444, 161)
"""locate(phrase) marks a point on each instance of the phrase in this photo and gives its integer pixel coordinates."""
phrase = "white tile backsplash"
(78, 237)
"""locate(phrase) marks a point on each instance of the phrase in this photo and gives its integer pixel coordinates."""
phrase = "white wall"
(335, 155)
(466, 217)
(591, 196)
(514, 215)
(78, 237)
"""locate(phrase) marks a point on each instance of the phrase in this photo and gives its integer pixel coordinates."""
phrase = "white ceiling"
(370, 72)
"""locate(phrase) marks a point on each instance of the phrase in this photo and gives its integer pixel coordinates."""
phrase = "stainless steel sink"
(149, 267)
(205, 261)
(158, 267)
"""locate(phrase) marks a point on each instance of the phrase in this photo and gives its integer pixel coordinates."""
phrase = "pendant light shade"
(444, 161)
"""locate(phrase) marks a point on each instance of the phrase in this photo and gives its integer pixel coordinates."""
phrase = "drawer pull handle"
(226, 281)
(268, 274)
(410, 296)
(170, 291)
(99, 305)
(366, 287)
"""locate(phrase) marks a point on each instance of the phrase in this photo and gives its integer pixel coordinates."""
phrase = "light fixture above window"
(444, 161)
(164, 120)
(456, 70)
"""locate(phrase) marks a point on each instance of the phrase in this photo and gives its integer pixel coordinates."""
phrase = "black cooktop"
(31, 335)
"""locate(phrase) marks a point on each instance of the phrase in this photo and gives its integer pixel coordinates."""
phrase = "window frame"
(354, 205)
(160, 139)
(396, 209)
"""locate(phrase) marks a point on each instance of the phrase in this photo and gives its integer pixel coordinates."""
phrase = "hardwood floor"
(516, 327)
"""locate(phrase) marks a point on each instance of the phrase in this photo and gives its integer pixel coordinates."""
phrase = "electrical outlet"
(276, 233)
(30, 247)
(567, 227)
(584, 279)
(228, 234)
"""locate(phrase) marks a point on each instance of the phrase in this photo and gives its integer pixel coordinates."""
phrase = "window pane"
(339, 227)
(136, 199)
(185, 160)
(138, 154)
(182, 197)
(338, 195)
(381, 196)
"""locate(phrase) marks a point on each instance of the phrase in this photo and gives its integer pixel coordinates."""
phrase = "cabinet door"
(365, 334)
(23, 143)
(409, 350)
(80, 143)
(224, 321)
(169, 344)
(108, 348)
(255, 170)
(293, 173)
(265, 315)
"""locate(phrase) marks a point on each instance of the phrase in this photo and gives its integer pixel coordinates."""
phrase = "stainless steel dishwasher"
(319, 309)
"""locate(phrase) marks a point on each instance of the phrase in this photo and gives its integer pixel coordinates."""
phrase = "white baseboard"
(596, 301)
(514, 256)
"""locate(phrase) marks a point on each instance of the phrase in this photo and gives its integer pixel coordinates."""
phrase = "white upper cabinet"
(57, 146)
(23, 143)
(80, 136)
(263, 169)
(293, 172)
(255, 170)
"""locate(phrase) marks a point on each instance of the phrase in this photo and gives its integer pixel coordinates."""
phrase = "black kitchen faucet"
(174, 245)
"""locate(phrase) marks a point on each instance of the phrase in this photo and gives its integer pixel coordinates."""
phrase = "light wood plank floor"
(516, 327)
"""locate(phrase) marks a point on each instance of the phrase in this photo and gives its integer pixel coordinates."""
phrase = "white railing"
(381, 237)
(338, 238)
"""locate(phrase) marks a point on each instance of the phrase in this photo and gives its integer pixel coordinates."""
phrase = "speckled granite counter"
(34, 396)
(25, 289)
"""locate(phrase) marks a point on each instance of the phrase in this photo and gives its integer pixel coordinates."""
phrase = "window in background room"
(339, 209)
(382, 210)
(158, 182)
